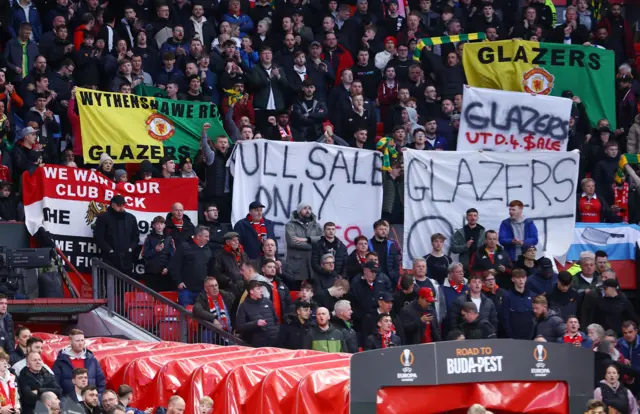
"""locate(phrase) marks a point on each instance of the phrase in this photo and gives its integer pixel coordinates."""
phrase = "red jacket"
(74, 119)
(240, 110)
(78, 36)
(344, 61)
(386, 97)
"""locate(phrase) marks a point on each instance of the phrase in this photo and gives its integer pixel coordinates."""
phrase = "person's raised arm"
(207, 152)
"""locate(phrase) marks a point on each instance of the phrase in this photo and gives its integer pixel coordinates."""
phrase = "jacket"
(551, 327)
(20, 15)
(28, 382)
(564, 303)
(249, 312)
(308, 120)
(216, 234)
(118, 232)
(393, 197)
(188, 229)
(517, 311)
(481, 261)
(6, 324)
(459, 245)
(505, 235)
(202, 311)
(171, 46)
(263, 85)
(487, 311)
(374, 341)
(364, 299)
(580, 284)
(394, 259)
(227, 271)
(293, 333)
(610, 312)
(191, 264)
(336, 248)
(299, 253)
(10, 381)
(450, 294)
(12, 56)
(156, 261)
(633, 137)
(478, 329)
(330, 340)
(243, 20)
(413, 327)
(630, 352)
(62, 369)
(540, 285)
(620, 399)
(339, 60)
(349, 334)
(249, 237)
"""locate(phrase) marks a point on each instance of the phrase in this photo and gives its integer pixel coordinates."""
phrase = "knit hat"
(118, 174)
(104, 157)
(390, 39)
(302, 205)
(146, 167)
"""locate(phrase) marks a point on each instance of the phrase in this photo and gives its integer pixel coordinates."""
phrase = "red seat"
(169, 330)
(138, 300)
(172, 296)
(139, 308)
(192, 326)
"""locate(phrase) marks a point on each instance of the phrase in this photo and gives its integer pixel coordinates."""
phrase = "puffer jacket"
(249, 312)
(299, 253)
(349, 334)
(156, 261)
(487, 311)
(293, 333)
(551, 327)
(188, 229)
(308, 121)
(330, 340)
(633, 138)
(63, 369)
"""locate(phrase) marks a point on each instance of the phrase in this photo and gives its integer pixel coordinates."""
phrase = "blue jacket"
(249, 237)
(631, 354)
(450, 293)
(505, 236)
(163, 77)
(171, 46)
(18, 17)
(249, 59)
(62, 369)
(539, 285)
(439, 144)
(517, 314)
(586, 341)
(244, 21)
(394, 260)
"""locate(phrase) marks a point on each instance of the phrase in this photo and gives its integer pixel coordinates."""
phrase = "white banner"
(506, 121)
(440, 186)
(342, 185)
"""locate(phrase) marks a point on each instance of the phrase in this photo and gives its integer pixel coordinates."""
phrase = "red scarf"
(236, 253)
(426, 336)
(177, 223)
(285, 132)
(259, 227)
(222, 315)
(10, 399)
(386, 339)
(621, 199)
(362, 259)
(486, 289)
(574, 340)
(457, 288)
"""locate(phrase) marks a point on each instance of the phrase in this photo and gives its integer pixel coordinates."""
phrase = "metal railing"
(160, 316)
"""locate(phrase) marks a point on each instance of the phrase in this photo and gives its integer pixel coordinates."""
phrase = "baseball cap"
(255, 204)
(612, 283)
(26, 131)
(527, 246)
(118, 200)
(371, 265)
(315, 43)
(385, 296)
(427, 294)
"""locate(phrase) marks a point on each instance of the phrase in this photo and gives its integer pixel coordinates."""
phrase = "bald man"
(323, 336)
(178, 225)
(51, 401)
(176, 405)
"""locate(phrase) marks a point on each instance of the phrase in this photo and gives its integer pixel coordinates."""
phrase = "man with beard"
(466, 240)
(385, 336)
(217, 230)
(278, 291)
(127, 26)
(388, 251)
(200, 26)
(294, 331)
(90, 400)
(116, 234)
(216, 180)
(547, 323)
(109, 400)
(308, 112)
(254, 230)
(301, 232)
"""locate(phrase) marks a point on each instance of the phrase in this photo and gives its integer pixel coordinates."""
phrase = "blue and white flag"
(617, 240)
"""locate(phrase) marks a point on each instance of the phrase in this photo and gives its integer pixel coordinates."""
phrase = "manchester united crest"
(537, 80)
(160, 127)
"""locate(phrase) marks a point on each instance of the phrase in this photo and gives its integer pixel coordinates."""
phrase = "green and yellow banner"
(133, 128)
(547, 69)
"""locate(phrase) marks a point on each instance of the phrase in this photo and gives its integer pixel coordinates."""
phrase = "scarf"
(259, 228)
(177, 223)
(285, 132)
(486, 289)
(621, 199)
(433, 41)
(219, 310)
(457, 288)
(10, 389)
(388, 148)
(361, 259)
(574, 340)
(386, 339)
(426, 338)
(237, 253)
(234, 96)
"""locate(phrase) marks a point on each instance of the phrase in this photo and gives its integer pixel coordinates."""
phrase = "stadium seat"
(172, 296)
(192, 327)
(139, 308)
(168, 323)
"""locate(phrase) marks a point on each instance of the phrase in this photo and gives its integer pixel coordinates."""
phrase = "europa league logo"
(406, 358)
(540, 353)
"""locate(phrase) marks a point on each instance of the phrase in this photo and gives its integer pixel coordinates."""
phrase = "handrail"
(97, 264)
(73, 289)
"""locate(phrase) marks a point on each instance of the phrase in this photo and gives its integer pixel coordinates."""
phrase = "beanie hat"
(118, 174)
(302, 205)
(104, 157)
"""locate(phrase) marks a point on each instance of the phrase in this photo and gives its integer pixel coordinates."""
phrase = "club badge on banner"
(513, 121)
(343, 185)
(67, 201)
(440, 186)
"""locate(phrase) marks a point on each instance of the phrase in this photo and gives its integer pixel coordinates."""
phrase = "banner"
(513, 121)
(343, 185)
(133, 128)
(67, 201)
(546, 69)
(145, 90)
(440, 186)
(617, 240)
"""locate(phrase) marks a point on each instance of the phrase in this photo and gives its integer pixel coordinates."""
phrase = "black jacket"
(565, 303)
(487, 311)
(155, 261)
(610, 312)
(353, 267)
(551, 327)
(118, 232)
(263, 84)
(227, 271)
(191, 265)
(370, 326)
(201, 306)
(249, 312)
(40, 382)
(348, 333)
(414, 328)
(478, 329)
(292, 333)
(337, 249)
(216, 233)
(364, 300)
(188, 229)
(307, 120)
(374, 341)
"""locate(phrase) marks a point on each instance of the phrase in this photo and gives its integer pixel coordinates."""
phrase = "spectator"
(254, 230)
(328, 298)
(90, 400)
(323, 336)
(543, 280)
(547, 323)
(494, 292)
(590, 207)
(14, 54)
(385, 336)
(611, 309)
(256, 320)
(389, 252)
(517, 308)
(80, 380)
(76, 355)
(585, 280)
(34, 382)
(405, 294)
(475, 326)
(364, 292)
(6, 323)
(109, 401)
(228, 262)
(484, 306)
(190, 266)
(50, 401)
(157, 252)
(357, 257)
(517, 230)
(116, 234)
(23, 334)
(33, 345)
(9, 391)
(563, 298)
(385, 306)
(329, 244)
(176, 405)
(342, 320)
(614, 394)
(421, 280)
(294, 331)
(217, 230)
(216, 173)
(468, 239)
(278, 291)
(438, 262)
(327, 276)
(455, 285)
(419, 319)
(308, 112)
(269, 80)
(301, 232)
(125, 396)
(574, 336)
(206, 405)
(178, 225)
(214, 305)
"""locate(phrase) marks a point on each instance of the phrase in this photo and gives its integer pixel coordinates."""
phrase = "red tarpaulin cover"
(324, 392)
(205, 379)
(277, 394)
(241, 382)
(173, 375)
(501, 397)
(50, 350)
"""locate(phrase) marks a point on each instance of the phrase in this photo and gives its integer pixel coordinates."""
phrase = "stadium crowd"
(339, 73)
